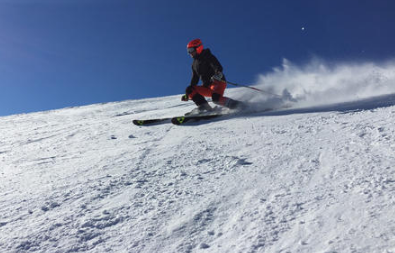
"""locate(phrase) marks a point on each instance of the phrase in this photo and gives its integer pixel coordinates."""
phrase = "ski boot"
(201, 109)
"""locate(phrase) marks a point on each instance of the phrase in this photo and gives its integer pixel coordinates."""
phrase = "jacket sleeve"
(195, 78)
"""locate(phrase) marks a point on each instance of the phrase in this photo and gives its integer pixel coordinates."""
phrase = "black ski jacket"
(204, 66)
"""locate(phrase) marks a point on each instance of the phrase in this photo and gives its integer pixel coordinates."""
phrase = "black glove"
(185, 98)
(218, 76)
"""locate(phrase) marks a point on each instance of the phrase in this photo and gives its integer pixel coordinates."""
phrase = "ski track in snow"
(86, 180)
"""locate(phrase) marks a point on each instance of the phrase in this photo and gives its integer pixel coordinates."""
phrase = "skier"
(207, 68)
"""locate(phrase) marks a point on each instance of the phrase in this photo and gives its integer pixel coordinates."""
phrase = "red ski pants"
(216, 87)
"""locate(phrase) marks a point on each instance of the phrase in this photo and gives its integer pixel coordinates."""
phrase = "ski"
(179, 120)
(193, 118)
(143, 122)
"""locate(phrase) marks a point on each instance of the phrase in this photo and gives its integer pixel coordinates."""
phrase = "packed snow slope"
(317, 178)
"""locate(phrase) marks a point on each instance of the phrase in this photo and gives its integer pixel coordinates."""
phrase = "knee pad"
(216, 97)
(199, 99)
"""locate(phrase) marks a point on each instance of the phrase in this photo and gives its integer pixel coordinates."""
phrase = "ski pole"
(253, 88)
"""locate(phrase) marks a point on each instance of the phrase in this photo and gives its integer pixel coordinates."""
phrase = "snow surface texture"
(313, 179)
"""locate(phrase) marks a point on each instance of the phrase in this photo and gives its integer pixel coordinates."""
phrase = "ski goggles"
(191, 50)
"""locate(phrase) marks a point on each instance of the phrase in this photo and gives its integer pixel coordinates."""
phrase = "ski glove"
(184, 98)
(218, 76)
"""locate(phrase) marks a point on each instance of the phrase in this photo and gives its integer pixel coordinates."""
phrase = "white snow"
(313, 179)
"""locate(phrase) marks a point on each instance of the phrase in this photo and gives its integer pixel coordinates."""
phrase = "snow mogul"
(206, 67)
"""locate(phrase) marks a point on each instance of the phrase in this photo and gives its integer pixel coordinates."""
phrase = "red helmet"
(195, 45)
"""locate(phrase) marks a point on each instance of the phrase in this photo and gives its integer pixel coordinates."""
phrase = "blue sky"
(61, 53)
